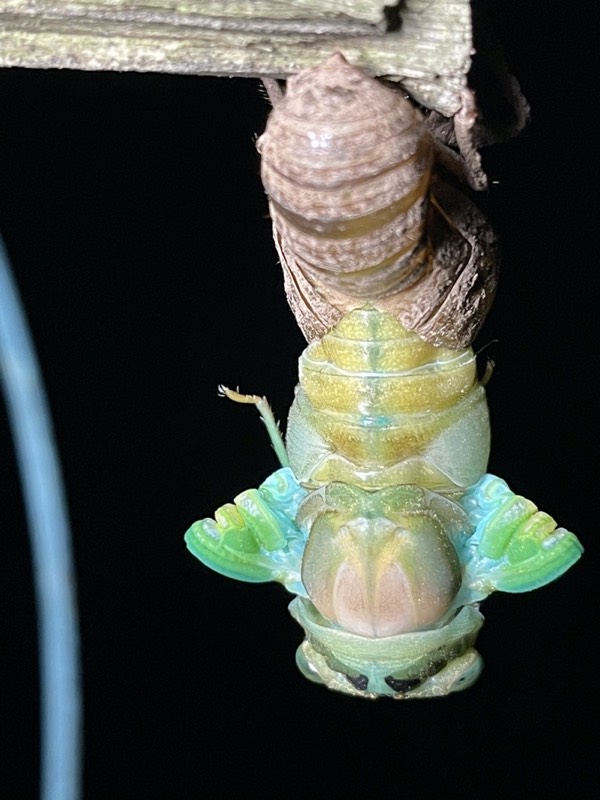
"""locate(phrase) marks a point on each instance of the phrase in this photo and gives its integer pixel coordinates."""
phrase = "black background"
(137, 226)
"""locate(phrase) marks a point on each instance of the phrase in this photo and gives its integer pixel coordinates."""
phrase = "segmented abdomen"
(377, 406)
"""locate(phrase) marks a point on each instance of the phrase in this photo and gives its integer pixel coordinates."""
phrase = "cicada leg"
(264, 409)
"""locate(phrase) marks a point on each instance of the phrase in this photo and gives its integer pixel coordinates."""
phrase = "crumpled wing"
(255, 538)
(515, 547)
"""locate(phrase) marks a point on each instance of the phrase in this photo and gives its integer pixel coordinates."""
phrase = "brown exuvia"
(359, 216)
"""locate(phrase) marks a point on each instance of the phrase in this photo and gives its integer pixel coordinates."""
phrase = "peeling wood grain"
(430, 54)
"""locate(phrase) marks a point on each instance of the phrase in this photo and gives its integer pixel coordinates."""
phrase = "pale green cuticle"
(501, 540)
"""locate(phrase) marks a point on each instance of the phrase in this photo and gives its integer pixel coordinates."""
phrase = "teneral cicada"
(382, 520)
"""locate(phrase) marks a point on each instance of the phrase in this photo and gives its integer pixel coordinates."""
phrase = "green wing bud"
(515, 547)
(255, 538)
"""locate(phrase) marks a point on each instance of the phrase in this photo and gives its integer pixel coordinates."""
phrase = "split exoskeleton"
(360, 217)
(381, 519)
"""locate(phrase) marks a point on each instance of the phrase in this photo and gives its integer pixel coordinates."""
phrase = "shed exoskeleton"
(360, 215)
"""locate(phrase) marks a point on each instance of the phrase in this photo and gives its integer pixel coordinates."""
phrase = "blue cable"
(54, 576)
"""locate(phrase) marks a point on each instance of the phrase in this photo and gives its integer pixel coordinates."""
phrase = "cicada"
(382, 519)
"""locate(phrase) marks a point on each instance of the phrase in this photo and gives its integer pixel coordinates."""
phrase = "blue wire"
(60, 692)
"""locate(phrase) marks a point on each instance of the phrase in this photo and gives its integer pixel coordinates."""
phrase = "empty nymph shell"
(359, 215)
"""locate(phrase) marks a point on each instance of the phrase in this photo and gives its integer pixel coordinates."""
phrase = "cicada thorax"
(387, 430)
(347, 164)
(381, 563)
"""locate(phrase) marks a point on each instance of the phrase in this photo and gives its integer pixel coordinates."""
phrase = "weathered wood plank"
(429, 54)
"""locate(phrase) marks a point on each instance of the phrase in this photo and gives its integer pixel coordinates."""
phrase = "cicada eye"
(360, 682)
(402, 685)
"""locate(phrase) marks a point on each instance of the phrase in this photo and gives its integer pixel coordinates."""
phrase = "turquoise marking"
(256, 539)
(514, 547)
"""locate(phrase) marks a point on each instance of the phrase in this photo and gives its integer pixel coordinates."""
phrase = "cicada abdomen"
(377, 406)
(347, 164)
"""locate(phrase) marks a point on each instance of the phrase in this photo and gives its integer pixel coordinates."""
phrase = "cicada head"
(429, 663)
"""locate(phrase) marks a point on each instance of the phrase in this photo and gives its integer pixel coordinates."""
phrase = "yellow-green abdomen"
(377, 406)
